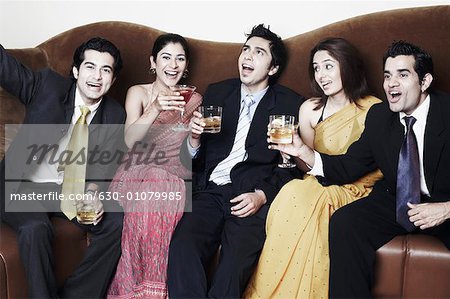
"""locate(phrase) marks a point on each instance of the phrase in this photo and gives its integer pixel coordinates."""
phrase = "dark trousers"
(91, 278)
(197, 238)
(357, 230)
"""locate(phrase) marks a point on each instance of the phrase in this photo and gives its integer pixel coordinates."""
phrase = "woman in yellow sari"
(294, 262)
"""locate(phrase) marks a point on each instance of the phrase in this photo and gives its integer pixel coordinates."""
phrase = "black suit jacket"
(49, 99)
(380, 144)
(260, 170)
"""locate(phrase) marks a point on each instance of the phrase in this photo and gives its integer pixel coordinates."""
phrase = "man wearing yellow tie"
(57, 101)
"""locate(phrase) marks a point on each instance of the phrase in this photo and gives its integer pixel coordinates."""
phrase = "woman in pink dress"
(150, 185)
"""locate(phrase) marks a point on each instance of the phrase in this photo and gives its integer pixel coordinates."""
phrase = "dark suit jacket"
(380, 144)
(49, 99)
(260, 170)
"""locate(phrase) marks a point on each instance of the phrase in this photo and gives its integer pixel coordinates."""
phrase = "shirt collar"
(421, 112)
(257, 97)
(79, 102)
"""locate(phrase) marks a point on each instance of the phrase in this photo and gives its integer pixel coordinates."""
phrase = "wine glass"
(186, 91)
(281, 130)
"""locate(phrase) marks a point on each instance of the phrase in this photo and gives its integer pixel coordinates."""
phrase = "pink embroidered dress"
(150, 221)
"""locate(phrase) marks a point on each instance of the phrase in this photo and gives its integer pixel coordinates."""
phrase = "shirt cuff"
(192, 151)
(317, 169)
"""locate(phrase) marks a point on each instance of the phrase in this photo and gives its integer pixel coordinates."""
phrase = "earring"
(185, 74)
(152, 71)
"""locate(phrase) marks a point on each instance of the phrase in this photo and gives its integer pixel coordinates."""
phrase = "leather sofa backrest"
(428, 27)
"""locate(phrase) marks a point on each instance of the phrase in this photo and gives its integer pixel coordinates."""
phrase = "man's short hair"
(423, 61)
(277, 49)
(101, 45)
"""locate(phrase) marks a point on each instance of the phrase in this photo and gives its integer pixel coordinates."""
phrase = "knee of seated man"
(242, 255)
(341, 220)
(183, 243)
(36, 228)
(115, 221)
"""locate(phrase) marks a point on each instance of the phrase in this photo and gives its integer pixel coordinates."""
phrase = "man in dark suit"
(235, 175)
(413, 124)
(52, 99)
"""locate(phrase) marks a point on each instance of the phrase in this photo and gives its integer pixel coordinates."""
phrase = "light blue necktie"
(221, 174)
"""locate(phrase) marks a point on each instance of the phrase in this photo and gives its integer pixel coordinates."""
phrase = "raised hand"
(290, 149)
(302, 153)
(197, 124)
(167, 100)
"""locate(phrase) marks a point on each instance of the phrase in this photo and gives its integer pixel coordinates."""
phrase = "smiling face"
(94, 76)
(327, 73)
(402, 86)
(254, 64)
(170, 63)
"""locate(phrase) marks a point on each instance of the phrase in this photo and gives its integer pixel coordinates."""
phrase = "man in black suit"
(235, 175)
(52, 99)
(360, 228)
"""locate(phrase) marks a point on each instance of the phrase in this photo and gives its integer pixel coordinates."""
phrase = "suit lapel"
(69, 104)
(433, 142)
(396, 136)
(95, 127)
(233, 106)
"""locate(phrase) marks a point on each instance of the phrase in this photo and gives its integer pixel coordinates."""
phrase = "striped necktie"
(75, 172)
(221, 174)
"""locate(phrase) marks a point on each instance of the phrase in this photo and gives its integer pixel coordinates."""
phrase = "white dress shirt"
(48, 172)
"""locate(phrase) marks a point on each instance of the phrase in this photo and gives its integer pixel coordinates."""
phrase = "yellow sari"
(294, 262)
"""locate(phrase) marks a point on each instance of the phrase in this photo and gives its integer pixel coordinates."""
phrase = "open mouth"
(325, 84)
(171, 74)
(395, 94)
(93, 85)
(247, 67)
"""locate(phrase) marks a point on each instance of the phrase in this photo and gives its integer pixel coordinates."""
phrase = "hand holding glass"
(186, 91)
(281, 130)
(86, 210)
(212, 116)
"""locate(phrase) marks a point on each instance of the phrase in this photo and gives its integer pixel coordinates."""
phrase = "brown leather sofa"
(408, 266)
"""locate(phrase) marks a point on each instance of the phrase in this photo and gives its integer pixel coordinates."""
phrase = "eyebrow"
(262, 49)
(328, 59)
(166, 53)
(398, 71)
(256, 47)
(325, 60)
(103, 66)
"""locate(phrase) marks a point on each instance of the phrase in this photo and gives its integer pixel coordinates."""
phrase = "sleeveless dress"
(294, 262)
(153, 197)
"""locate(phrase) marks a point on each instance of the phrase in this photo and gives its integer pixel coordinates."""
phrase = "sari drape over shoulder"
(294, 262)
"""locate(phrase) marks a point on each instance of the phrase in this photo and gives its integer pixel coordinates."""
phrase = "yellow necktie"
(75, 171)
